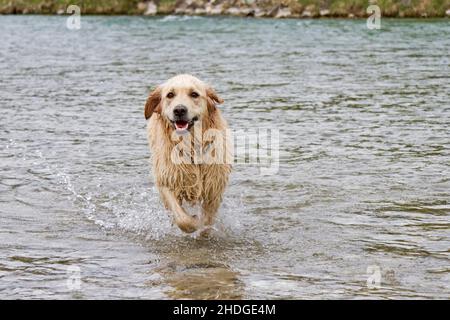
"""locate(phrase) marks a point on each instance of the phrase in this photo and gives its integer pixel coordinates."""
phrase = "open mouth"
(183, 125)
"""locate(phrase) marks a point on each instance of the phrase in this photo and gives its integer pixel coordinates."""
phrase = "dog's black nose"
(180, 110)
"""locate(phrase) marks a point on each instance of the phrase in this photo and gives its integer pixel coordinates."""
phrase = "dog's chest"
(191, 183)
(184, 180)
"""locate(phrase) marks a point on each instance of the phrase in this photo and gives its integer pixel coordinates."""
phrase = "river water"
(361, 194)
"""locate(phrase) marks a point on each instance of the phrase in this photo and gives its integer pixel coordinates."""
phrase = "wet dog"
(190, 149)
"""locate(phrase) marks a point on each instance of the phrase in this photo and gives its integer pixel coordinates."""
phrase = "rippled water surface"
(363, 181)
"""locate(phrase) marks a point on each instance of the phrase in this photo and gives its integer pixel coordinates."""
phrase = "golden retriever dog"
(190, 149)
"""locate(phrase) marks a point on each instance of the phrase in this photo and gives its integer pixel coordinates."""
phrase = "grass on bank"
(87, 6)
(389, 8)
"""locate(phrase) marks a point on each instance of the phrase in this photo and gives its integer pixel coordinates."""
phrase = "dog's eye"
(170, 95)
(194, 94)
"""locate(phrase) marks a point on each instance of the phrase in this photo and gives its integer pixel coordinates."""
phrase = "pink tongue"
(181, 124)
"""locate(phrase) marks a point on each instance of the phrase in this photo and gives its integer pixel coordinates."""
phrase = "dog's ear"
(153, 103)
(212, 99)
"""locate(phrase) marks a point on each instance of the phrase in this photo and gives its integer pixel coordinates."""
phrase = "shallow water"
(363, 180)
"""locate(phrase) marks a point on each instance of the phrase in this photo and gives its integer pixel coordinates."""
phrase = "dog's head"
(182, 100)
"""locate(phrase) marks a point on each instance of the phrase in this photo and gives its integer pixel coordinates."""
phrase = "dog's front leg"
(183, 220)
(209, 212)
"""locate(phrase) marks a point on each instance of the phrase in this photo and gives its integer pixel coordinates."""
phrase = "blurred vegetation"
(315, 8)
(389, 8)
(87, 6)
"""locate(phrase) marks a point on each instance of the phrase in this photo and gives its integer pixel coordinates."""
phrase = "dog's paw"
(188, 228)
(188, 224)
(206, 232)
